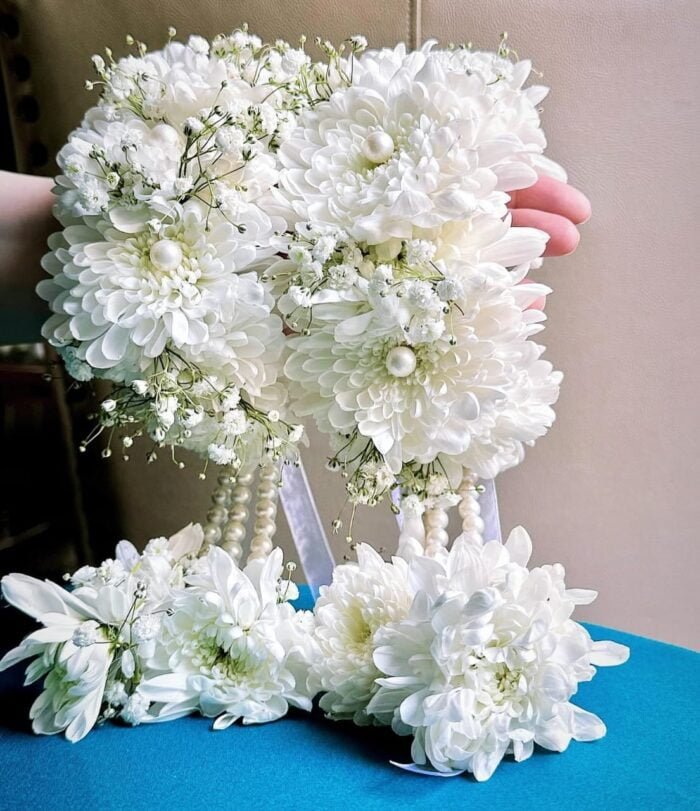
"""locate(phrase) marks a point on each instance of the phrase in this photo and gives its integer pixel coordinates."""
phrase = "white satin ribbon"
(426, 770)
(488, 502)
(306, 527)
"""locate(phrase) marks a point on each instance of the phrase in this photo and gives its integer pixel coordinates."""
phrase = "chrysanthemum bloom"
(423, 368)
(233, 647)
(488, 659)
(418, 140)
(96, 637)
(363, 598)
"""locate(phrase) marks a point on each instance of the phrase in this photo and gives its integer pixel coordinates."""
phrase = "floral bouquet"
(250, 238)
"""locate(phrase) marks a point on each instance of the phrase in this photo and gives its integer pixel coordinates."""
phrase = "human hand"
(25, 223)
(555, 208)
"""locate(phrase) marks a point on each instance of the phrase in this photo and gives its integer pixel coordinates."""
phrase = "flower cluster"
(470, 652)
(403, 274)
(219, 193)
(153, 282)
(158, 635)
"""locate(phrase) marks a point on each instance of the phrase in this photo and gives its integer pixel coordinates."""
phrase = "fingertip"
(563, 234)
(564, 237)
(579, 206)
(556, 197)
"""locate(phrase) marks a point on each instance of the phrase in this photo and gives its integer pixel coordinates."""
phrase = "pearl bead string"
(235, 530)
(221, 501)
(469, 509)
(436, 535)
(265, 512)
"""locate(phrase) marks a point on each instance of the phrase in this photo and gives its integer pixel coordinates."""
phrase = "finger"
(555, 197)
(563, 234)
(538, 303)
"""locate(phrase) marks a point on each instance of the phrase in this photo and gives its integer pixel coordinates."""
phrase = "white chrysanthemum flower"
(161, 203)
(73, 652)
(124, 298)
(233, 647)
(419, 139)
(487, 660)
(105, 627)
(467, 387)
(362, 598)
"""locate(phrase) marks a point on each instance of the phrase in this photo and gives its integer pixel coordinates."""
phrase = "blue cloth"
(648, 760)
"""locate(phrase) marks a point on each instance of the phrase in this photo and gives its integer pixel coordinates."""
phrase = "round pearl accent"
(378, 147)
(401, 361)
(166, 254)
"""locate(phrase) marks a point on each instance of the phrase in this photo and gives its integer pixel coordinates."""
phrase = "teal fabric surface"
(648, 760)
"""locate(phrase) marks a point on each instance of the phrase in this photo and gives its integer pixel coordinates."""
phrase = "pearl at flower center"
(166, 254)
(378, 147)
(401, 361)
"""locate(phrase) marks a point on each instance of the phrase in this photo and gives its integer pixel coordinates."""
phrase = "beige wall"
(612, 491)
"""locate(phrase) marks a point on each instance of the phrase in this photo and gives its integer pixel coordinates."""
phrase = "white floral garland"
(215, 190)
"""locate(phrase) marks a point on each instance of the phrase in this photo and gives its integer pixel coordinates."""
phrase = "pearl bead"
(241, 494)
(234, 549)
(212, 534)
(217, 515)
(221, 496)
(238, 512)
(401, 361)
(267, 490)
(378, 147)
(166, 254)
(265, 527)
(234, 533)
(265, 509)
